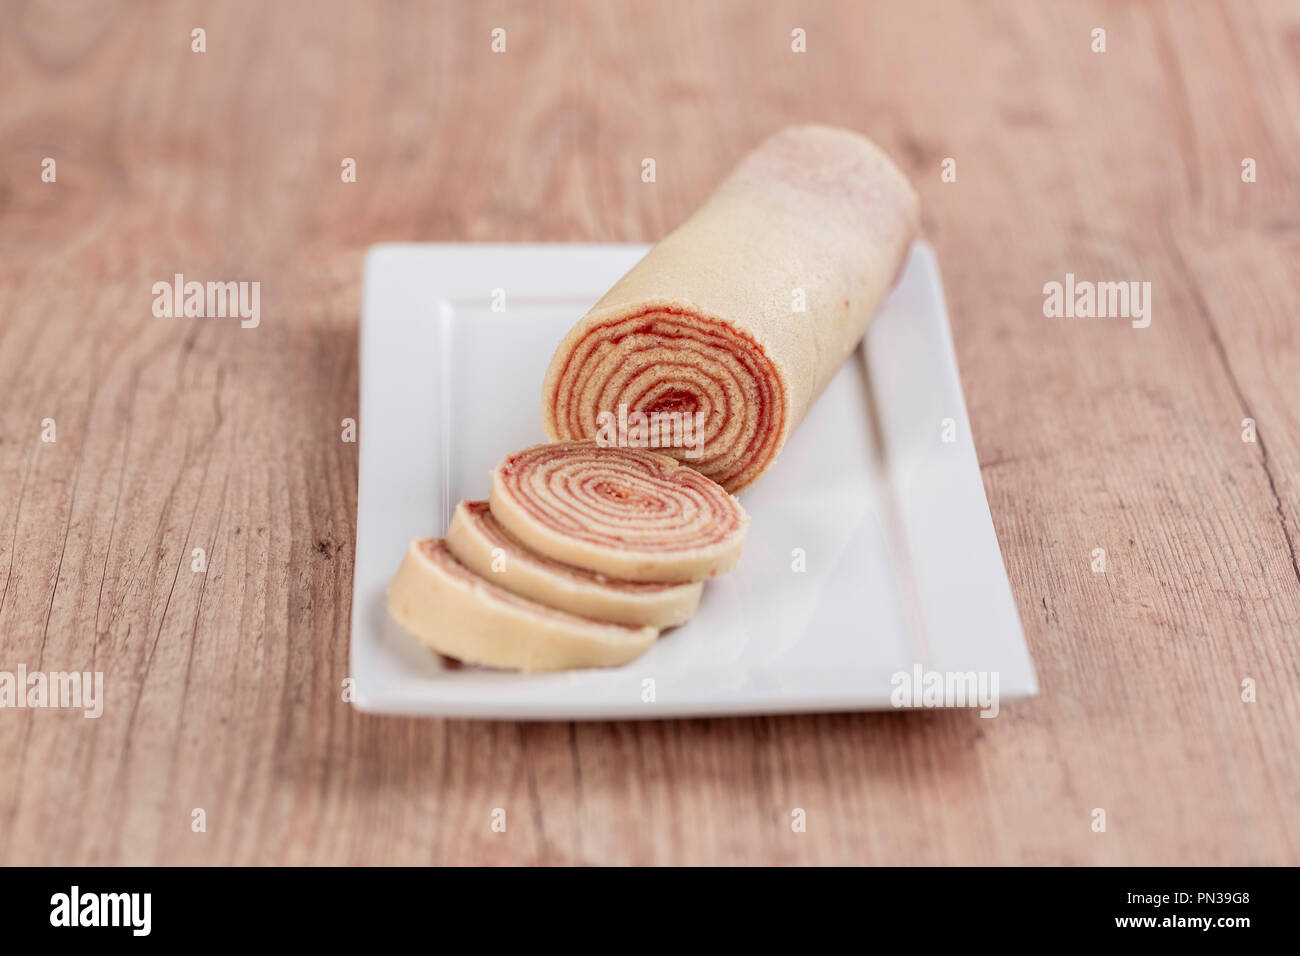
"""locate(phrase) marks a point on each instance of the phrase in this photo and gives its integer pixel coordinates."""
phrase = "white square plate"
(887, 517)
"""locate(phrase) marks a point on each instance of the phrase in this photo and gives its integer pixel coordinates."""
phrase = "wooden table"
(223, 687)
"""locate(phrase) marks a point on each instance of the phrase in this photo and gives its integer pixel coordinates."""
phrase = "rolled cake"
(623, 512)
(743, 313)
(480, 543)
(457, 613)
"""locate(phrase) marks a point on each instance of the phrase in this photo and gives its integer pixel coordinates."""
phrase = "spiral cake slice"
(623, 512)
(480, 543)
(457, 613)
(733, 324)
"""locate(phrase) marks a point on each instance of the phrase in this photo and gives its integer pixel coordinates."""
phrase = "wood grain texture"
(223, 688)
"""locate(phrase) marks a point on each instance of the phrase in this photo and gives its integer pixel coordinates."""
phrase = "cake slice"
(455, 612)
(480, 543)
(622, 512)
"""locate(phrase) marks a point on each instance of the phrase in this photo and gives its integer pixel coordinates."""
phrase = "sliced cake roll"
(622, 512)
(458, 613)
(480, 543)
(740, 317)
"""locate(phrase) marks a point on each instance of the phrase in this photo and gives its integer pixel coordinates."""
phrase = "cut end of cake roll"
(480, 542)
(711, 394)
(622, 512)
(457, 613)
(724, 335)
